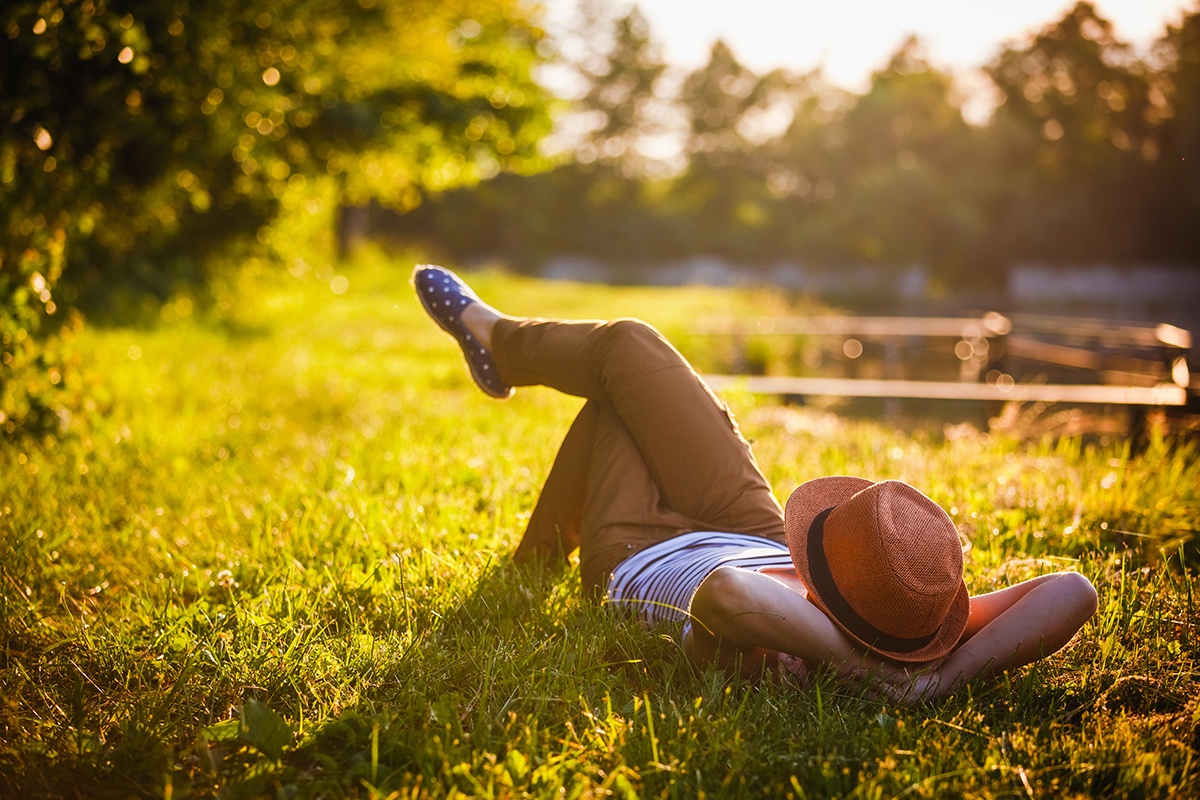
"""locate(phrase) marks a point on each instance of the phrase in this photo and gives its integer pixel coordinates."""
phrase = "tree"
(723, 190)
(621, 94)
(900, 171)
(1073, 136)
(1092, 154)
(620, 108)
(1175, 207)
(597, 199)
(139, 135)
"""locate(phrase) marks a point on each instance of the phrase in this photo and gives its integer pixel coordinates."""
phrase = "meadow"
(272, 559)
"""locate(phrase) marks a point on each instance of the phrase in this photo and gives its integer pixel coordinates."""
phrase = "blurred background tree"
(621, 89)
(599, 196)
(599, 200)
(722, 198)
(1073, 139)
(140, 137)
(1175, 91)
(890, 177)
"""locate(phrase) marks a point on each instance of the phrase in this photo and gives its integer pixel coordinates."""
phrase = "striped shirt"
(656, 584)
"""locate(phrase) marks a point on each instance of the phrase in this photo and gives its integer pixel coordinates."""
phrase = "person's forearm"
(1042, 621)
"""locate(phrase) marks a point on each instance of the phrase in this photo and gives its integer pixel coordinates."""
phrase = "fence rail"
(1121, 364)
(1162, 395)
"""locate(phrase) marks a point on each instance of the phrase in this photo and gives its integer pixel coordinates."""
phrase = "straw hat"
(883, 561)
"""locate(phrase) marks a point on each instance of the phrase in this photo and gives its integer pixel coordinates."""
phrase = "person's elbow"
(1079, 596)
(720, 599)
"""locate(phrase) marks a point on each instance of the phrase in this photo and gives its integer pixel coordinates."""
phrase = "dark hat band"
(829, 594)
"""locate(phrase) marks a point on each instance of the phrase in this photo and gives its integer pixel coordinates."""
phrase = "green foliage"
(37, 377)
(159, 120)
(278, 567)
(140, 137)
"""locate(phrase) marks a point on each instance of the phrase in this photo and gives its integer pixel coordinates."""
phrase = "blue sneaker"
(445, 297)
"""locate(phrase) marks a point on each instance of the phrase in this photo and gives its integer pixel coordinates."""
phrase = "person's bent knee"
(640, 343)
(630, 328)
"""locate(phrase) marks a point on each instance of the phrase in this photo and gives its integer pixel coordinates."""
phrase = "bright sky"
(851, 38)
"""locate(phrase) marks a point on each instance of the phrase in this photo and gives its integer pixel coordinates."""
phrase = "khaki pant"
(653, 453)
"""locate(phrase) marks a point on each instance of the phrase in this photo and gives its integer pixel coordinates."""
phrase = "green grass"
(274, 562)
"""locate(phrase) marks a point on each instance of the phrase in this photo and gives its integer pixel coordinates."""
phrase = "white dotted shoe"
(444, 297)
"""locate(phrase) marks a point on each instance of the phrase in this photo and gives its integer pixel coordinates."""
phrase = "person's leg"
(599, 497)
(698, 462)
(665, 455)
(553, 530)
(623, 510)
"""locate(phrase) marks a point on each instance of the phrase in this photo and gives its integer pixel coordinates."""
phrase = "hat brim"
(810, 499)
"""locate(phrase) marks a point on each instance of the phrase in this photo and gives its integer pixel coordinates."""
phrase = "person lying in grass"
(675, 522)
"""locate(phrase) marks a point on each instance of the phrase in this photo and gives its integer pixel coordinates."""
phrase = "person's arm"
(739, 614)
(1006, 629)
